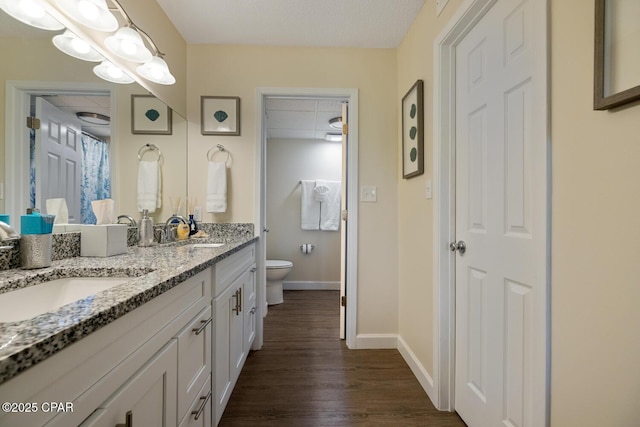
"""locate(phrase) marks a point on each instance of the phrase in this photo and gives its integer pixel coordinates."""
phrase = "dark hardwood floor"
(305, 376)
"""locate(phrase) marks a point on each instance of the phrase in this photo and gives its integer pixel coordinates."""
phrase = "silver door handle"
(459, 246)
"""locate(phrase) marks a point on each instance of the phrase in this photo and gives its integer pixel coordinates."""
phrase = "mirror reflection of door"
(67, 162)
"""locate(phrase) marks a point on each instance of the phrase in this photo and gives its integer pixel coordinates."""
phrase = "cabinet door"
(228, 345)
(149, 396)
(249, 308)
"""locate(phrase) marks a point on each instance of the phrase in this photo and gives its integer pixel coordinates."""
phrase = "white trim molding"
(310, 286)
(425, 380)
(376, 341)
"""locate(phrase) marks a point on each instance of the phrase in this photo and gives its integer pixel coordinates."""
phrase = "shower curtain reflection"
(96, 176)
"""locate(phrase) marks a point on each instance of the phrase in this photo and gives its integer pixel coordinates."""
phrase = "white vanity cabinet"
(150, 362)
(234, 298)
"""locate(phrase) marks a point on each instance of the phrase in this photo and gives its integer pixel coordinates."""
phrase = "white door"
(59, 158)
(501, 218)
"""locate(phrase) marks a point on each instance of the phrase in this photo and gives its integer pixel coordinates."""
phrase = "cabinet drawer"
(227, 270)
(147, 396)
(199, 414)
(194, 359)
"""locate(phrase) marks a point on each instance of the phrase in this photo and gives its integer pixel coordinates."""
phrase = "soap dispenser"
(145, 230)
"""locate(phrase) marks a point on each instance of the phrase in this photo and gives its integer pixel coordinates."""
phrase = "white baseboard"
(310, 286)
(418, 369)
(376, 341)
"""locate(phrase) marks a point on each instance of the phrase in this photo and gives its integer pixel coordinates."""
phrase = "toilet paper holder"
(306, 248)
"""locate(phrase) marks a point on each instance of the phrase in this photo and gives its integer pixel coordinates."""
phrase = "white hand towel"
(309, 208)
(330, 210)
(217, 187)
(149, 186)
(321, 191)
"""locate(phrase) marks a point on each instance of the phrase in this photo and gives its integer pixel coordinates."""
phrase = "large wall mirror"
(33, 71)
(617, 63)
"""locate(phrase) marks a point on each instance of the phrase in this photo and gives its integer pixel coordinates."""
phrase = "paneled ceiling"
(301, 118)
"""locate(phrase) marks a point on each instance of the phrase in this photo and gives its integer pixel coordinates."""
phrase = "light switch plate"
(368, 194)
(428, 190)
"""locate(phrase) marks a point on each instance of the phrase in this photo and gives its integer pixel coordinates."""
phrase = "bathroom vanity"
(163, 348)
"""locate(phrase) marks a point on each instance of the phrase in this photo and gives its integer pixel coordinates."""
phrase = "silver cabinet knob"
(459, 246)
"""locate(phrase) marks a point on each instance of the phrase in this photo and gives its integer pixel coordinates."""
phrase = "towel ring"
(220, 148)
(150, 147)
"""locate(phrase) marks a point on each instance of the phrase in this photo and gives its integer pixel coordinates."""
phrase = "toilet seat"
(277, 263)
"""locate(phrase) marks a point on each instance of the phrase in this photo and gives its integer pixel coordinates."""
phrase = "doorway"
(492, 173)
(19, 96)
(349, 275)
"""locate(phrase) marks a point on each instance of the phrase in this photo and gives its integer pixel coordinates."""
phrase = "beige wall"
(415, 211)
(595, 380)
(595, 251)
(238, 71)
(288, 162)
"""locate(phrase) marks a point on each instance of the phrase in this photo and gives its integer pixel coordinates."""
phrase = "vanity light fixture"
(31, 12)
(336, 123)
(74, 46)
(94, 118)
(90, 13)
(109, 72)
(127, 44)
(333, 137)
(156, 70)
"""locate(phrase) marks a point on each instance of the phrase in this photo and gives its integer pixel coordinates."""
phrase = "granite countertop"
(152, 271)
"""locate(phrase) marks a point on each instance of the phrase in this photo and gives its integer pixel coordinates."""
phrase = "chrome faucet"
(170, 233)
(132, 222)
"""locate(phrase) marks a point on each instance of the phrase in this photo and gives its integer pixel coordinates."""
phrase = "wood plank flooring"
(305, 376)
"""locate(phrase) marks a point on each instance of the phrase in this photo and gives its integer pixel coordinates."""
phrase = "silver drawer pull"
(203, 325)
(199, 411)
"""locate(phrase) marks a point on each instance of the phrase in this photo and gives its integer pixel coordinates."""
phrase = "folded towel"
(217, 187)
(149, 186)
(321, 191)
(330, 210)
(309, 208)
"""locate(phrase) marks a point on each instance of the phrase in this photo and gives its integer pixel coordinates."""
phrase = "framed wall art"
(616, 67)
(413, 132)
(150, 116)
(220, 115)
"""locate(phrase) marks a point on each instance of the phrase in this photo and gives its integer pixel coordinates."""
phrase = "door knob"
(459, 246)
(266, 230)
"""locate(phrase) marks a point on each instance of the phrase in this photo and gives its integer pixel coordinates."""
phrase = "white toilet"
(277, 270)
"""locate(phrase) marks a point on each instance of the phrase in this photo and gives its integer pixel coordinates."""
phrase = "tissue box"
(103, 240)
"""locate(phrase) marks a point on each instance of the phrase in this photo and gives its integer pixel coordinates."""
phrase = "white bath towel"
(321, 191)
(217, 187)
(149, 186)
(309, 208)
(330, 210)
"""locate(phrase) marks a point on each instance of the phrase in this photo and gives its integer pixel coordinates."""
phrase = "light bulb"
(128, 47)
(32, 9)
(115, 72)
(88, 10)
(80, 46)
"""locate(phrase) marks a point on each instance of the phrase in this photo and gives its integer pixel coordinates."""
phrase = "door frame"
(467, 16)
(17, 108)
(351, 94)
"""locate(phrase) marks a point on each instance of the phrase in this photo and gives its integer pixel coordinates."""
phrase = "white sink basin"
(207, 245)
(25, 303)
